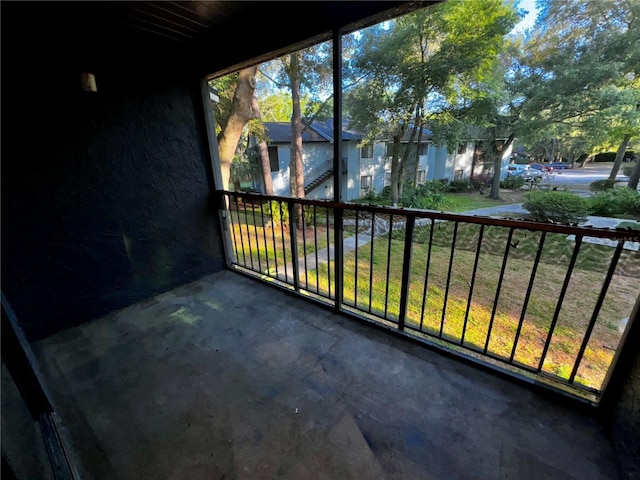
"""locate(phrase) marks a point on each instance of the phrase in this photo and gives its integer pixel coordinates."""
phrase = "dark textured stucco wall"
(106, 198)
(625, 427)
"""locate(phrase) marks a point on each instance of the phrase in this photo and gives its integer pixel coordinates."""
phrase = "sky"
(530, 18)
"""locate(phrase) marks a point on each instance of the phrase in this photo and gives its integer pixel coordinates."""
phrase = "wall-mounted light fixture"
(89, 82)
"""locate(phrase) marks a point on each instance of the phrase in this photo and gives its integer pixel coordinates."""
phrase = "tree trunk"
(420, 126)
(498, 152)
(241, 113)
(619, 157)
(403, 163)
(582, 159)
(495, 184)
(296, 166)
(395, 171)
(264, 154)
(635, 175)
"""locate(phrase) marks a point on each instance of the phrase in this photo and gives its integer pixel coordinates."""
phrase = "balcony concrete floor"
(227, 378)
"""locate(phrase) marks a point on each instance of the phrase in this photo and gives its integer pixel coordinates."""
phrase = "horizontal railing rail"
(543, 301)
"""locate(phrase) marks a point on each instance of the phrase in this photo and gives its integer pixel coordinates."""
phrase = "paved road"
(587, 174)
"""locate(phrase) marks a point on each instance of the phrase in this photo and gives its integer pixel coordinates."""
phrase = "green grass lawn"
(471, 201)
(449, 313)
(462, 202)
(366, 288)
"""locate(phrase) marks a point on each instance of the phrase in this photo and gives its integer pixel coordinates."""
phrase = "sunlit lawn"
(463, 202)
(370, 292)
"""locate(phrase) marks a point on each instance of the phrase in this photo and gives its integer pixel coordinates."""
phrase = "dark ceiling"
(207, 36)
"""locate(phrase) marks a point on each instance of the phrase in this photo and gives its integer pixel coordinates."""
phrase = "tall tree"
(240, 113)
(292, 67)
(305, 75)
(424, 67)
(263, 149)
(582, 62)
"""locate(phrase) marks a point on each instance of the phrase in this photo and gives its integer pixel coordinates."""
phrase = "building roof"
(317, 131)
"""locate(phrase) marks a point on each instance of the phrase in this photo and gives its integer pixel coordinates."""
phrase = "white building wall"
(463, 161)
(280, 179)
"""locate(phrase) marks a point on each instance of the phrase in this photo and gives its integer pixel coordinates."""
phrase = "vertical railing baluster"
(303, 221)
(293, 237)
(232, 224)
(473, 280)
(426, 273)
(264, 234)
(386, 292)
(273, 236)
(406, 272)
(498, 289)
(355, 268)
(373, 229)
(563, 292)
(255, 230)
(246, 224)
(244, 258)
(338, 256)
(527, 295)
(315, 247)
(329, 253)
(596, 310)
(446, 291)
(284, 249)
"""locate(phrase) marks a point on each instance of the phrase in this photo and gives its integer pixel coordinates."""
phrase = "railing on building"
(544, 302)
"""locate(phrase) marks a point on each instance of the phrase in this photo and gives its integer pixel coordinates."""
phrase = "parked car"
(516, 169)
(531, 174)
(559, 165)
(541, 168)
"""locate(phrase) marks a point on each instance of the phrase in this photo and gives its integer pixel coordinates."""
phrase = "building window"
(273, 159)
(422, 176)
(387, 179)
(462, 148)
(389, 147)
(458, 174)
(423, 149)
(366, 151)
(366, 181)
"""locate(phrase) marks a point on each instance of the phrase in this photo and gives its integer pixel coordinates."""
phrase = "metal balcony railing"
(544, 302)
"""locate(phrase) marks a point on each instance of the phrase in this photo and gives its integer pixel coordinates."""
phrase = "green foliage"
(460, 186)
(512, 182)
(558, 207)
(370, 194)
(429, 196)
(578, 76)
(278, 211)
(478, 182)
(600, 185)
(244, 169)
(446, 52)
(615, 202)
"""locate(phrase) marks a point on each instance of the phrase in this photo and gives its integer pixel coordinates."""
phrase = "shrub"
(600, 185)
(558, 207)
(478, 182)
(279, 212)
(615, 202)
(369, 194)
(429, 196)
(460, 186)
(512, 182)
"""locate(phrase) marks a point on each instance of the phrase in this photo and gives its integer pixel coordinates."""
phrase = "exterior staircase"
(317, 181)
(321, 173)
